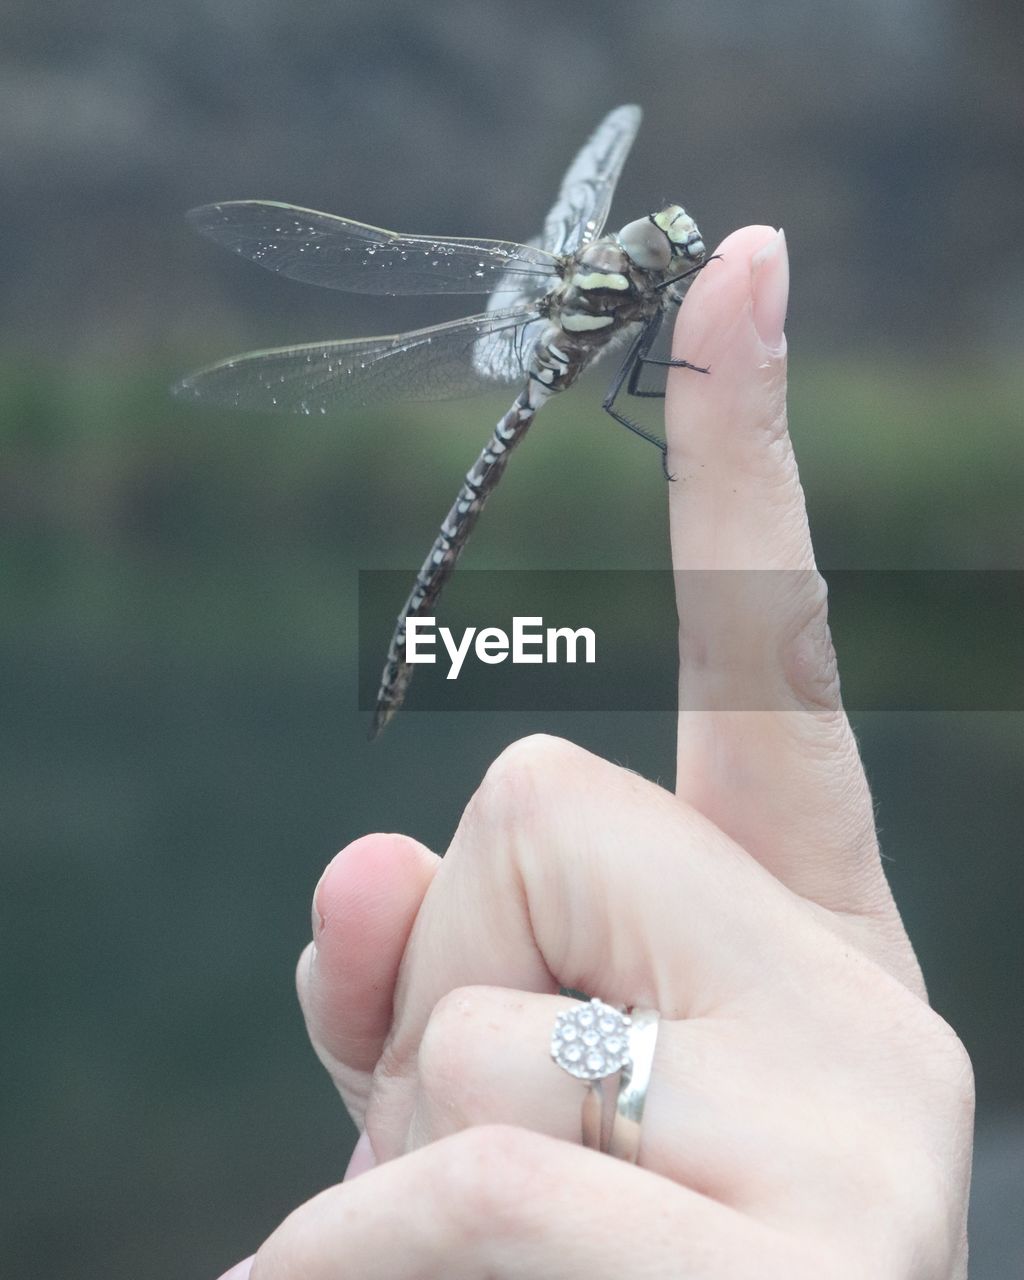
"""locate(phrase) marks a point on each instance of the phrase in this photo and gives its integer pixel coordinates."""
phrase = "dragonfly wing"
(319, 248)
(500, 355)
(425, 364)
(578, 216)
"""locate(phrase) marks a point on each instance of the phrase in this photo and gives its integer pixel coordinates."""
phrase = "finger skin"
(824, 850)
(497, 1203)
(738, 1096)
(483, 1059)
(764, 747)
(240, 1271)
(361, 1160)
(363, 912)
(569, 871)
(736, 501)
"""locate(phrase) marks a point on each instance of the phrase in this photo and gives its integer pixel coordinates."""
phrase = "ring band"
(595, 1041)
(624, 1140)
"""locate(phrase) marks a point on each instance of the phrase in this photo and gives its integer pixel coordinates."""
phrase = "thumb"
(363, 911)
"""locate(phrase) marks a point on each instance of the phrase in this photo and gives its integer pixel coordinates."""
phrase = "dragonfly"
(555, 306)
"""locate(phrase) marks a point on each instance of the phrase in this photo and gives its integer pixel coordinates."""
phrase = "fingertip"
(722, 295)
(366, 875)
(769, 287)
(739, 505)
(364, 907)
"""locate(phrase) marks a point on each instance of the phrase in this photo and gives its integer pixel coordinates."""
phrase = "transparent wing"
(424, 364)
(497, 357)
(577, 217)
(579, 214)
(318, 248)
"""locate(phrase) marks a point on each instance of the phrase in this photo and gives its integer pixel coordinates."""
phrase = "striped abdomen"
(439, 565)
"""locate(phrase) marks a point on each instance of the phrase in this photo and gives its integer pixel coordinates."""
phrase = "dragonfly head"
(683, 235)
(666, 240)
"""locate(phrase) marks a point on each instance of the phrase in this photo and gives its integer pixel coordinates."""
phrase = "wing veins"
(352, 368)
(340, 253)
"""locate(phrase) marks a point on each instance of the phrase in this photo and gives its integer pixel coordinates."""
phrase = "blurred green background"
(180, 749)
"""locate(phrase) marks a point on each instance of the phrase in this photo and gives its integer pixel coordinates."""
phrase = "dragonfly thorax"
(601, 267)
(619, 278)
(601, 290)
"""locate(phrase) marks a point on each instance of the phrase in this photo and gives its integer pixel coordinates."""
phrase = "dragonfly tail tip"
(382, 715)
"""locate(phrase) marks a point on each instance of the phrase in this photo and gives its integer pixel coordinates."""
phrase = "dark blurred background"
(180, 746)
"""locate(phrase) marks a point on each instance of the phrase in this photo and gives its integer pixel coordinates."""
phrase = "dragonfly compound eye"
(646, 244)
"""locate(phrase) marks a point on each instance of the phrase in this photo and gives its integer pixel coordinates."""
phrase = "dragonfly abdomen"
(480, 482)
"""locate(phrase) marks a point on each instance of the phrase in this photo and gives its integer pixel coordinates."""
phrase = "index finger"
(764, 746)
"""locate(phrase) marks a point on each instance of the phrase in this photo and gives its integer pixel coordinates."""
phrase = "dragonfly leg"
(673, 364)
(633, 389)
(640, 359)
(668, 284)
(608, 405)
(626, 376)
(638, 430)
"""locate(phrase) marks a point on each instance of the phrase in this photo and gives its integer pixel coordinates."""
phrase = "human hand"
(808, 1113)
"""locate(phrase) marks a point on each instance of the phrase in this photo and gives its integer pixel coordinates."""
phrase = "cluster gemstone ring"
(596, 1042)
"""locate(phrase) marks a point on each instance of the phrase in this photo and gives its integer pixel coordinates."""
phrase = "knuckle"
(449, 1057)
(809, 658)
(491, 1176)
(928, 1146)
(939, 1064)
(521, 780)
(955, 1070)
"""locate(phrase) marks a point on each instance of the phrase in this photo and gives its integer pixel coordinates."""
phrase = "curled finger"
(497, 1203)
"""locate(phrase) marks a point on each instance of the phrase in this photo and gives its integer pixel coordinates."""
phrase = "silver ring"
(594, 1042)
(624, 1140)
